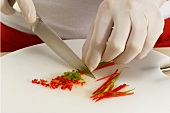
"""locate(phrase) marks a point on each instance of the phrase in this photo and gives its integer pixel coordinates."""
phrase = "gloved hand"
(26, 6)
(123, 30)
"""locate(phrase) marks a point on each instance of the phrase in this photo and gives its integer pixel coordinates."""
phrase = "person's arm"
(26, 6)
(122, 31)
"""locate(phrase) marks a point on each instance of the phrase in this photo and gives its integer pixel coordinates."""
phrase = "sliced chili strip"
(105, 65)
(119, 88)
(110, 86)
(108, 81)
(106, 89)
(106, 76)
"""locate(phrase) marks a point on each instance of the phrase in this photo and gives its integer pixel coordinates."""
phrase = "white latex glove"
(26, 6)
(123, 30)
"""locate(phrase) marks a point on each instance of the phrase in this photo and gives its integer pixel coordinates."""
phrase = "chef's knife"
(42, 30)
(45, 33)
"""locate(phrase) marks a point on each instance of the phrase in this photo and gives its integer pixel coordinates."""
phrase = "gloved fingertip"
(31, 18)
(137, 58)
(105, 59)
(91, 69)
(117, 62)
(91, 65)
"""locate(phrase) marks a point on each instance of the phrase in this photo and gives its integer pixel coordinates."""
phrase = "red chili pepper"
(119, 88)
(105, 95)
(111, 88)
(106, 76)
(35, 81)
(105, 90)
(113, 94)
(112, 76)
(65, 81)
(131, 93)
(105, 65)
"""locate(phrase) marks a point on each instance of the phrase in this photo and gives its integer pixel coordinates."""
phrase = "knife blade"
(45, 33)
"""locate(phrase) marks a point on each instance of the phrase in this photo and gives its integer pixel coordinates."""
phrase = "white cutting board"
(19, 95)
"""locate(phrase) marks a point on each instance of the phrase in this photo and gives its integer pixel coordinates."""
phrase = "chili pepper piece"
(111, 85)
(119, 88)
(106, 76)
(104, 84)
(127, 91)
(104, 65)
(66, 81)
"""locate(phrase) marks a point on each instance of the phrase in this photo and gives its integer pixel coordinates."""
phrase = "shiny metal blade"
(42, 30)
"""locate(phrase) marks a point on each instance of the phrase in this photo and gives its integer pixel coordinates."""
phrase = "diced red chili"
(106, 90)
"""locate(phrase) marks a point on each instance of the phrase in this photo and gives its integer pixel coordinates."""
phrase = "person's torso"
(69, 18)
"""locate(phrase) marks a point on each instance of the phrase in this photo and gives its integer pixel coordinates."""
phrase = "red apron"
(12, 39)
